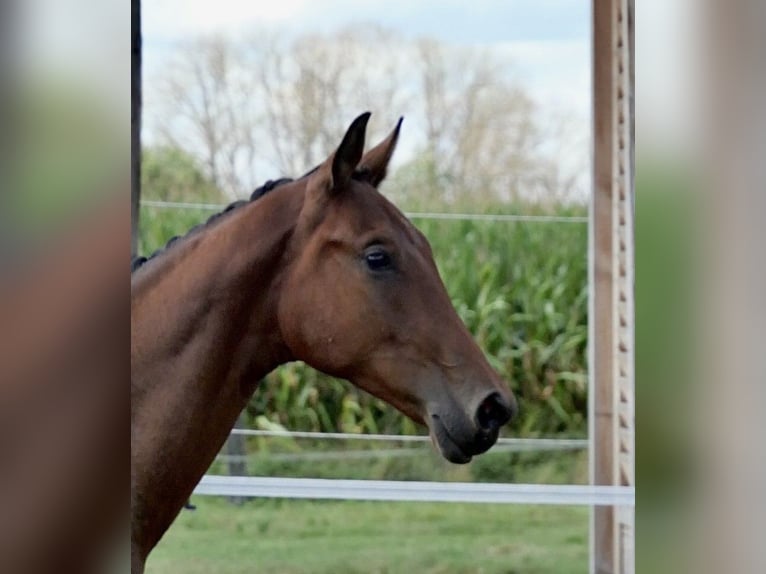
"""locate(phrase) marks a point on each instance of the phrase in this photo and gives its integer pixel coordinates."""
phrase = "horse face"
(363, 300)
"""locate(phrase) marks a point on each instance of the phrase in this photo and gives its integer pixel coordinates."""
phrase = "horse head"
(362, 299)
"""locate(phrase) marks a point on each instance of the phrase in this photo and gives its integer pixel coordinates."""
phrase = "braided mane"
(138, 262)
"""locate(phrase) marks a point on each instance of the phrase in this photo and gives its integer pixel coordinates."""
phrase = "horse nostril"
(493, 413)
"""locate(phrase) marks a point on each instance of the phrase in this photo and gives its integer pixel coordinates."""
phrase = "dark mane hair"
(270, 185)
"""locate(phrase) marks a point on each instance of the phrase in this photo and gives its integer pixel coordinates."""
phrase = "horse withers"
(325, 270)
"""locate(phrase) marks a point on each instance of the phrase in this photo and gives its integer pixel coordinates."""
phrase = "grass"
(345, 537)
(335, 459)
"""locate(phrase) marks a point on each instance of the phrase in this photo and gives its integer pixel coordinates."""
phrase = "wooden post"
(135, 123)
(611, 307)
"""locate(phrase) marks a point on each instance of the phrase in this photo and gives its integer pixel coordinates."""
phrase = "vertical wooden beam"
(135, 123)
(611, 402)
(624, 262)
(601, 419)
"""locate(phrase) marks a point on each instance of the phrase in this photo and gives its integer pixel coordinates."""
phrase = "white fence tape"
(411, 215)
(522, 443)
(272, 487)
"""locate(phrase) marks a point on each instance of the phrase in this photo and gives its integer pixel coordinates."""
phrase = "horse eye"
(377, 259)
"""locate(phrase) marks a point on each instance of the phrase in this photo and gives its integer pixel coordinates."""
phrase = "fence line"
(530, 443)
(321, 456)
(378, 453)
(413, 491)
(411, 215)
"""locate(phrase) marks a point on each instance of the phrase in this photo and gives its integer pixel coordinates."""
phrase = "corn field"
(521, 287)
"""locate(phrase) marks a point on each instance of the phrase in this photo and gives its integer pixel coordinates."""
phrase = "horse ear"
(375, 162)
(347, 156)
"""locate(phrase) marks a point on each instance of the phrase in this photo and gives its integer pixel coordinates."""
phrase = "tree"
(275, 105)
(481, 133)
(172, 174)
(266, 105)
(311, 86)
(207, 113)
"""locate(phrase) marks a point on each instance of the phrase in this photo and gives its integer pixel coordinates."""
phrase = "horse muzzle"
(459, 438)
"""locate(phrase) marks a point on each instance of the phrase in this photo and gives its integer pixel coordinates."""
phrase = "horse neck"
(204, 331)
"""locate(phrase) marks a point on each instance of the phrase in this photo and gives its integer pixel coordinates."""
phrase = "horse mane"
(270, 185)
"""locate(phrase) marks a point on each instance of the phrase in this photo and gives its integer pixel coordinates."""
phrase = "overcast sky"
(452, 20)
(549, 40)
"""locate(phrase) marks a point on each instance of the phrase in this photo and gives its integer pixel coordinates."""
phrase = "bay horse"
(325, 270)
